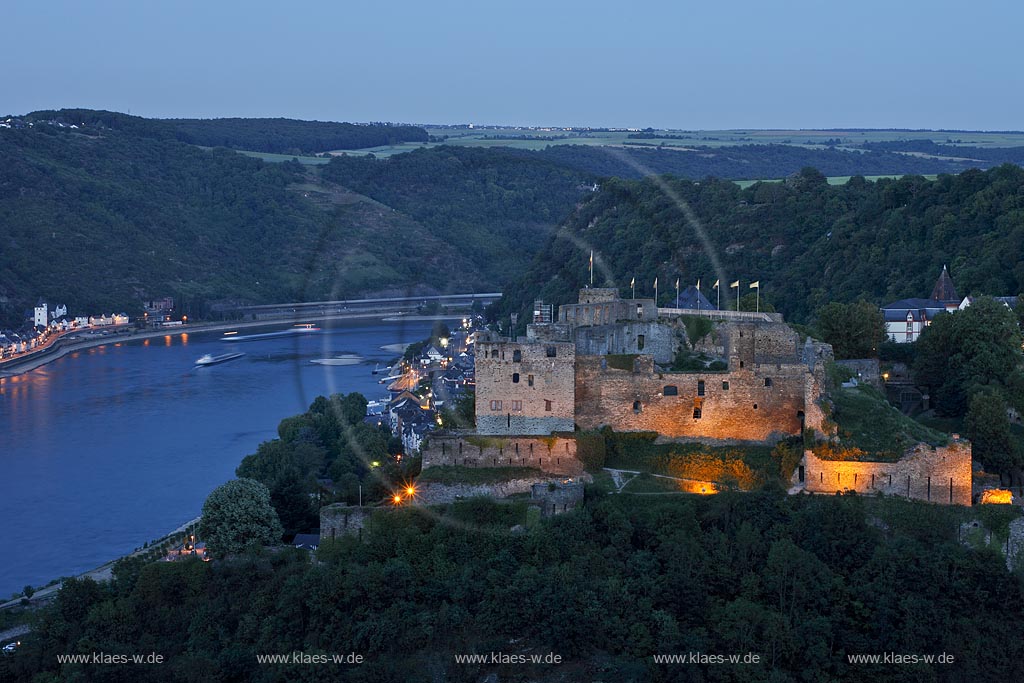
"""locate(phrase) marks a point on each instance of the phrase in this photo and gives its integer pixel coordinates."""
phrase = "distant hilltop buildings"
(906, 319)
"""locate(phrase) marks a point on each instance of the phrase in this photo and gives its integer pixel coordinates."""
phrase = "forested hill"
(100, 222)
(282, 136)
(742, 162)
(807, 242)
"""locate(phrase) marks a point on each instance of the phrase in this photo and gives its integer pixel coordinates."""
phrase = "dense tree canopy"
(967, 351)
(807, 242)
(800, 581)
(854, 330)
(238, 515)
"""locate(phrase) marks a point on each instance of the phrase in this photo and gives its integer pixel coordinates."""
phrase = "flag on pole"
(756, 284)
(677, 283)
(655, 283)
(632, 282)
(698, 284)
(715, 286)
(735, 284)
(591, 267)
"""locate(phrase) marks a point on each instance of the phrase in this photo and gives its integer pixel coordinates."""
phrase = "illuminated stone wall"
(555, 454)
(939, 475)
(524, 388)
(748, 409)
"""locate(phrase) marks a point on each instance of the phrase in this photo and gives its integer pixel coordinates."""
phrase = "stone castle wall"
(939, 475)
(339, 519)
(554, 454)
(658, 340)
(760, 403)
(524, 388)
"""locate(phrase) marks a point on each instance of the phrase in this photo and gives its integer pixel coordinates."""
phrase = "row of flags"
(756, 284)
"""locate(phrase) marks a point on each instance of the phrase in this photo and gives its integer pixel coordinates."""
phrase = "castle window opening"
(696, 413)
(640, 311)
(725, 385)
(767, 381)
(509, 424)
(494, 353)
(698, 405)
(515, 378)
(755, 406)
(637, 407)
(495, 405)
(517, 406)
(547, 405)
(517, 356)
(670, 390)
(741, 364)
(700, 387)
(529, 380)
(640, 342)
(552, 352)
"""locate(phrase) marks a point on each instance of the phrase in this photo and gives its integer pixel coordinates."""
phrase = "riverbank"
(63, 347)
(102, 573)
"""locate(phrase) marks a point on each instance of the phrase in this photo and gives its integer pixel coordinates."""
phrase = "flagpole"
(698, 296)
(591, 267)
(655, 292)
(677, 294)
(719, 288)
(632, 285)
(737, 296)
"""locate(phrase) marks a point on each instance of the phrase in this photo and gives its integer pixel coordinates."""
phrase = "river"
(107, 448)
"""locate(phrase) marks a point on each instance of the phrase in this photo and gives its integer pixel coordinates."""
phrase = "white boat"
(210, 359)
(343, 359)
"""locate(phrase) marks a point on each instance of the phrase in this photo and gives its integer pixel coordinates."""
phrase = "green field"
(539, 138)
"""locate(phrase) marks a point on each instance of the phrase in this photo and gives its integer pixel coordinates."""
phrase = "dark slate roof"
(689, 298)
(944, 289)
(914, 304)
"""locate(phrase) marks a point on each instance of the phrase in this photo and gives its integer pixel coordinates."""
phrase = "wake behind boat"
(210, 359)
(343, 359)
(305, 328)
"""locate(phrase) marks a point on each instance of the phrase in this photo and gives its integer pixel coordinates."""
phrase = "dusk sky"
(737, 64)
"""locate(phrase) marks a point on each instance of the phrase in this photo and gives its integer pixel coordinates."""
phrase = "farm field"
(538, 138)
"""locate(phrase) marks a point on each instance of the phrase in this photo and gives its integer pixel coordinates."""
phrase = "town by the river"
(107, 448)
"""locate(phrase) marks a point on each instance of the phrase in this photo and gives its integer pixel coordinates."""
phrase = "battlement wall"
(940, 475)
(554, 454)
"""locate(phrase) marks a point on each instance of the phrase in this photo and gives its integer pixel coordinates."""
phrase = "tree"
(988, 428)
(854, 330)
(961, 353)
(239, 514)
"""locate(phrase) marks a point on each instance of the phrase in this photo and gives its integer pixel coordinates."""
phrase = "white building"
(41, 319)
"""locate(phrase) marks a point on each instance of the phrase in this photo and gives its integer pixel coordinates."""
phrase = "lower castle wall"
(939, 475)
(339, 519)
(555, 454)
(746, 411)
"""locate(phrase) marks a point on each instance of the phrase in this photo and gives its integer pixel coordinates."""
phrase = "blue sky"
(737, 64)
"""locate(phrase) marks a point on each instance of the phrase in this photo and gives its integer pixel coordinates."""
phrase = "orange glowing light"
(410, 490)
(397, 500)
(997, 497)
